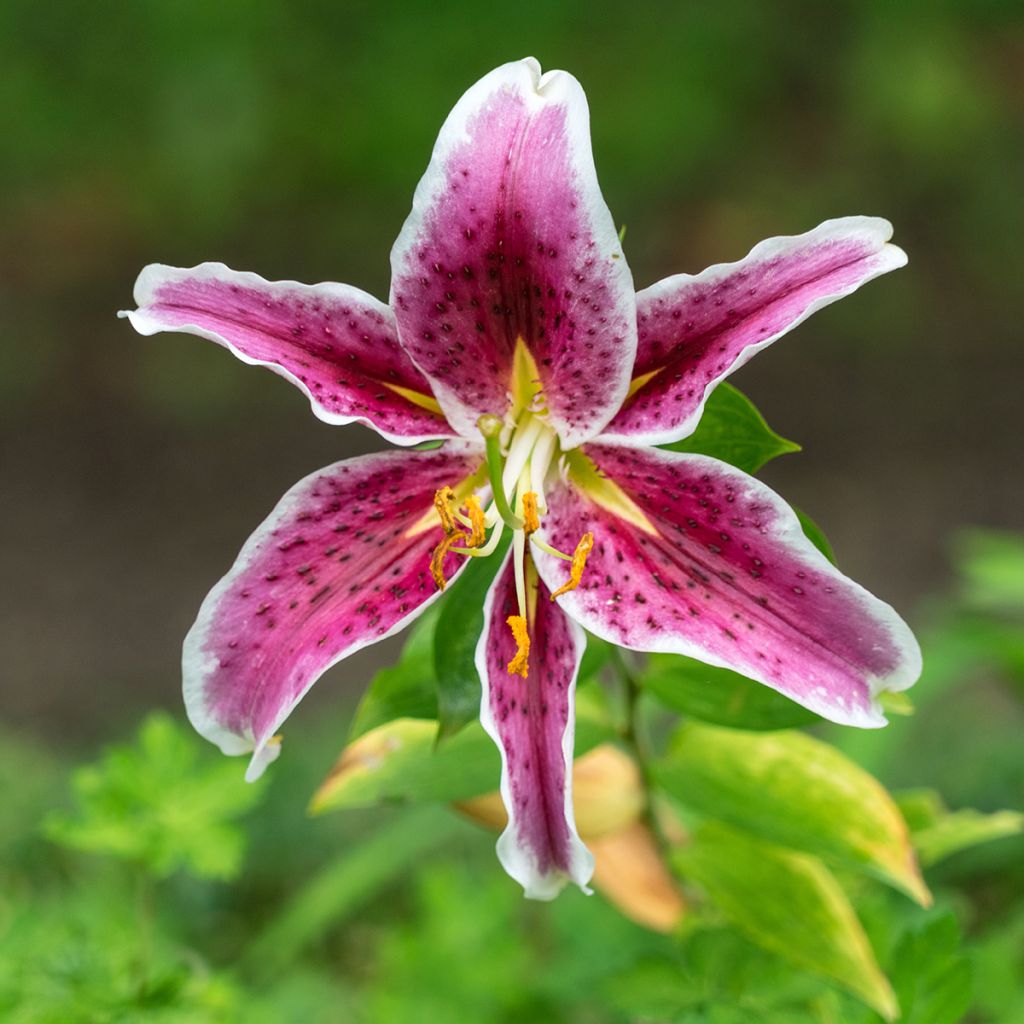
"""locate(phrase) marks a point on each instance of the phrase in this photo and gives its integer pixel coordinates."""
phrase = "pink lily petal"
(696, 331)
(533, 722)
(509, 238)
(697, 558)
(337, 344)
(341, 563)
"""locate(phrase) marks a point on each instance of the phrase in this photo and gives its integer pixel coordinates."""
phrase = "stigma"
(522, 453)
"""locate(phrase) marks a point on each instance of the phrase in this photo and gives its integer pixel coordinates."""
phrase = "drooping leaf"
(407, 689)
(402, 762)
(167, 803)
(795, 790)
(939, 833)
(790, 904)
(458, 630)
(719, 695)
(731, 429)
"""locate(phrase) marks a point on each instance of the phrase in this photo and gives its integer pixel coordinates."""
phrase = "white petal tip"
(262, 756)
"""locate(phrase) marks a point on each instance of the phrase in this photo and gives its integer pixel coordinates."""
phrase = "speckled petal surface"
(510, 238)
(532, 721)
(342, 562)
(337, 344)
(712, 564)
(695, 331)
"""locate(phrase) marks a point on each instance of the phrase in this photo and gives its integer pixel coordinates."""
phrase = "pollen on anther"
(579, 561)
(520, 664)
(477, 520)
(439, 554)
(531, 520)
(443, 499)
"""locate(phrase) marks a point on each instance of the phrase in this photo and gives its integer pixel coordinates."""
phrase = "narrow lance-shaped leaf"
(790, 904)
(454, 648)
(406, 689)
(939, 833)
(719, 695)
(791, 789)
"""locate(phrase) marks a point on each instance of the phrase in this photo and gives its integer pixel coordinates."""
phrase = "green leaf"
(790, 904)
(794, 790)
(931, 975)
(458, 630)
(402, 762)
(731, 429)
(992, 566)
(814, 533)
(595, 657)
(407, 689)
(939, 833)
(167, 803)
(719, 695)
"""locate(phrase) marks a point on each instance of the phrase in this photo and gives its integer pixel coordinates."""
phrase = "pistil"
(517, 478)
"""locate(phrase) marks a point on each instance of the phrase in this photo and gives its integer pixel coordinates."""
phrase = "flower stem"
(634, 738)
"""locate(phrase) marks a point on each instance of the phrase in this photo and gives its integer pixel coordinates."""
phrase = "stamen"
(540, 461)
(488, 548)
(531, 521)
(527, 432)
(477, 520)
(443, 499)
(520, 664)
(579, 561)
(544, 546)
(437, 558)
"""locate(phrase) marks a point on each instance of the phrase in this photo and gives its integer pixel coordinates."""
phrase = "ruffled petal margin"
(532, 721)
(693, 557)
(341, 563)
(335, 343)
(695, 331)
(510, 240)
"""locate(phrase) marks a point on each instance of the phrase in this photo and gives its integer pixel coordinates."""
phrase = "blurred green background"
(286, 138)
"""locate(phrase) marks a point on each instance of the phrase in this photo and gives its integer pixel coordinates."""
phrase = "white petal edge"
(156, 274)
(525, 77)
(788, 533)
(517, 862)
(197, 666)
(889, 257)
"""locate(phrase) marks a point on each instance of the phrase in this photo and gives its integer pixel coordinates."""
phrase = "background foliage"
(146, 882)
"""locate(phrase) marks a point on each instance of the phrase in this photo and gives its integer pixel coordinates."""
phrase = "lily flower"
(513, 333)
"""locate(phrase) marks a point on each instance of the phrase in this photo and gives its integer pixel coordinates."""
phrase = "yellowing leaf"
(791, 789)
(790, 904)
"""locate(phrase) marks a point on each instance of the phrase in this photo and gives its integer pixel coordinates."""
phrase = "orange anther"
(437, 558)
(443, 499)
(579, 561)
(520, 664)
(476, 518)
(531, 520)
